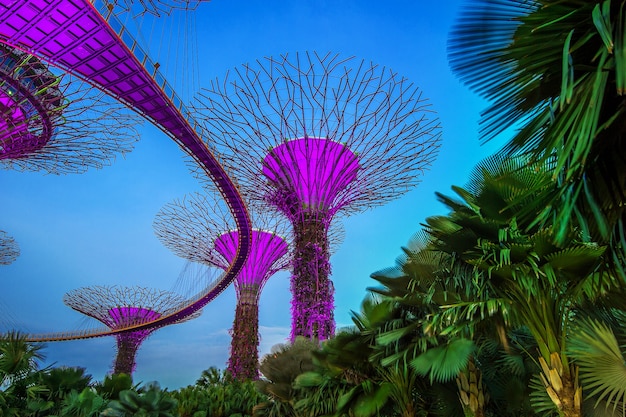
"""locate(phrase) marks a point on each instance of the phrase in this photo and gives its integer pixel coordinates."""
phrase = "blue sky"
(96, 228)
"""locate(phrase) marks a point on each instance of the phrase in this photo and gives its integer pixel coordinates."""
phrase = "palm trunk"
(562, 386)
(471, 393)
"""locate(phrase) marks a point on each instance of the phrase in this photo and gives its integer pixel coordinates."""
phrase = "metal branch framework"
(314, 136)
(155, 7)
(9, 249)
(200, 229)
(55, 122)
(121, 307)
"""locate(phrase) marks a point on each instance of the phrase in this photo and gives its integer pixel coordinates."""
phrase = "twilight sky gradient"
(96, 228)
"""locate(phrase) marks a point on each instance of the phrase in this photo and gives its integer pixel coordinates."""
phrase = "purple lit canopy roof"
(120, 307)
(200, 229)
(267, 256)
(315, 171)
(371, 126)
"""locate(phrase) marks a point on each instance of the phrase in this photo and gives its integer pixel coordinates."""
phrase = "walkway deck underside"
(78, 36)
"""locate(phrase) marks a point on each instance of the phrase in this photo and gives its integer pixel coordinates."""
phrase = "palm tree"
(19, 368)
(566, 98)
(530, 278)
(423, 280)
(279, 370)
(598, 345)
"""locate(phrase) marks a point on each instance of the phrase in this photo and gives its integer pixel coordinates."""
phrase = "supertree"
(9, 249)
(119, 307)
(200, 229)
(315, 136)
(55, 122)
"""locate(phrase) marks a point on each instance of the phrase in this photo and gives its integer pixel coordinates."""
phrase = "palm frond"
(602, 363)
(443, 363)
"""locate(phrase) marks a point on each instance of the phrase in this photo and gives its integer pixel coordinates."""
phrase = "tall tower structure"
(55, 122)
(199, 229)
(9, 249)
(119, 307)
(315, 136)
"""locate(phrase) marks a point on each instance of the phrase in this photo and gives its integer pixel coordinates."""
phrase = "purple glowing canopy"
(127, 316)
(311, 171)
(264, 259)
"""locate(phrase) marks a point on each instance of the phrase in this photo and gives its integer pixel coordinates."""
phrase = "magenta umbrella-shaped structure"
(315, 136)
(199, 229)
(54, 122)
(9, 249)
(120, 307)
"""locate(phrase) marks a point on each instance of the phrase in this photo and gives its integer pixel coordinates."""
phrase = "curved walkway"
(84, 38)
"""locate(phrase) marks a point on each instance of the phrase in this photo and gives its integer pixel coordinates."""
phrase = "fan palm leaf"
(602, 361)
(565, 100)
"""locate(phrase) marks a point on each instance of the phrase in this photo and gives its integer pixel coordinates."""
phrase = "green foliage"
(217, 394)
(87, 403)
(279, 370)
(150, 401)
(602, 362)
(113, 384)
(443, 363)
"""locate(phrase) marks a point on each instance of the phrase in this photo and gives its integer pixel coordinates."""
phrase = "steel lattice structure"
(156, 7)
(55, 122)
(9, 249)
(87, 39)
(200, 229)
(121, 307)
(314, 136)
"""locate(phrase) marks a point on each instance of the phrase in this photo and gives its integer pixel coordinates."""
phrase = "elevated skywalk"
(85, 38)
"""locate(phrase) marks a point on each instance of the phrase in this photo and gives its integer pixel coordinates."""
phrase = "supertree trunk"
(243, 363)
(311, 288)
(126, 352)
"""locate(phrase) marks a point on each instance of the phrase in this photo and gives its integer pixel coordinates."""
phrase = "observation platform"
(85, 38)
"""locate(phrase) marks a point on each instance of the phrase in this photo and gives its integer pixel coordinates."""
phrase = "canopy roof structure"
(121, 307)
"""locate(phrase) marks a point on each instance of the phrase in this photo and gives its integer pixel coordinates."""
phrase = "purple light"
(127, 316)
(310, 178)
(312, 171)
(266, 251)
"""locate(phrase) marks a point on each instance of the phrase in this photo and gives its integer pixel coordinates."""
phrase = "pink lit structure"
(123, 307)
(86, 38)
(9, 249)
(315, 136)
(199, 229)
(57, 123)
